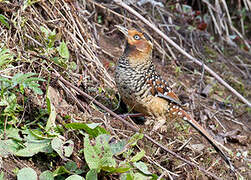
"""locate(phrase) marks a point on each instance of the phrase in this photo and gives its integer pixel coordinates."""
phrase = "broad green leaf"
(138, 156)
(74, 177)
(63, 50)
(98, 155)
(8, 147)
(92, 175)
(142, 167)
(26, 173)
(33, 147)
(46, 175)
(118, 147)
(92, 129)
(14, 133)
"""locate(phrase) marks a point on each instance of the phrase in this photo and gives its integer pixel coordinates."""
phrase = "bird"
(143, 90)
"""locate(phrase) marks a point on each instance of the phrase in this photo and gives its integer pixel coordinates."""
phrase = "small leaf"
(118, 147)
(92, 129)
(138, 156)
(68, 148)
(27, 173)
(93, 125)
(92, 175)
(60, 170)
(142, 167)
(51, 110)
(46, 175)
(116, 169)
(4, 21)
(57, 145)
(134, 139)
(63, 50)
(74, 177)
(2, 176)
(64, 149)
(71, 166)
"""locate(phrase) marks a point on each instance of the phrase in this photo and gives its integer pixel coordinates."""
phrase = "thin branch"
(224, 83)
(57, 75)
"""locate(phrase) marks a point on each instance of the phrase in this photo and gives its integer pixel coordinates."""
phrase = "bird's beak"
(123, 30)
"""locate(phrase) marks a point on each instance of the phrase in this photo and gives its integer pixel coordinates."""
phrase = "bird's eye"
(136, 37)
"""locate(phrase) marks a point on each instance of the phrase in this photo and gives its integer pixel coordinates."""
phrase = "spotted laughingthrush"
(144, 90)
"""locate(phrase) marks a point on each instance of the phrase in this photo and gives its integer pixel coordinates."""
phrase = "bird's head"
(139, 47)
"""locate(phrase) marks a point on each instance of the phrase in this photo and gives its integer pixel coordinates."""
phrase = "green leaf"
(74, 177)
(14, 133)
(27, 173)
(116, 170)
(92, 129)
(46, 175)
(140, 176)
(34, 147)
(8, 147)
(98, 155)
(127, 176)
(5, 57)
(71, 166)
(4, 21)
(63, 50)
(118, 147)
(2, 176)
(142, 167)
(57, 145)
(64, 149)
(92, 175)
(73, 66)
(138, 156)
(134, 139)
(51, 109)
(61, 170)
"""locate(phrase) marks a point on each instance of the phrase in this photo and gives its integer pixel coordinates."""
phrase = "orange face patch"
(138, 40)
(143, 47)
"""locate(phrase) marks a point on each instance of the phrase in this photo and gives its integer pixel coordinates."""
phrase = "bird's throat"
(138, 56)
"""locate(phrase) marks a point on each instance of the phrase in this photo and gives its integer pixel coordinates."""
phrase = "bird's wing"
(170, 96)
(160, 88)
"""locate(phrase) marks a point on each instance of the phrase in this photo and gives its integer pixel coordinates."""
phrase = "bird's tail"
(185, 116)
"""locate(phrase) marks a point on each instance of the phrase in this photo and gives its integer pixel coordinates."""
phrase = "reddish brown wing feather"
(159, 87)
